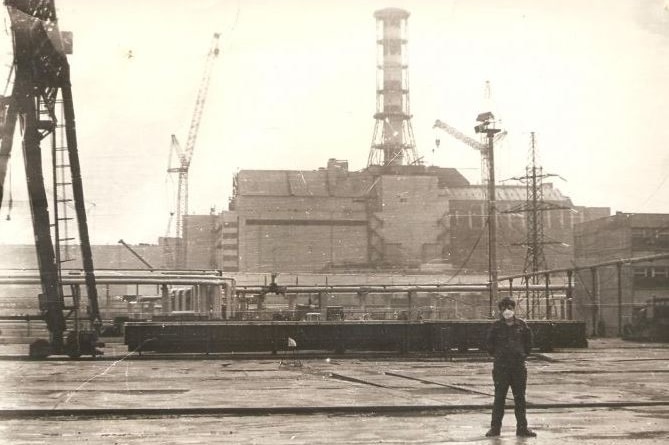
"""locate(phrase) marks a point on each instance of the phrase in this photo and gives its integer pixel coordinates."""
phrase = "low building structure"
(621, 236)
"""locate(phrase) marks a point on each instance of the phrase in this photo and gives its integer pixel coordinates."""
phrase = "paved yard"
(578, 396)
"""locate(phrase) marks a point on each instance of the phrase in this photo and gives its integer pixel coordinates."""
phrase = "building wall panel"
(412, 212)
(299, 247)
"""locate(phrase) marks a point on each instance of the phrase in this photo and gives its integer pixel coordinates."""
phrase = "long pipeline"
(184, 280)
(632, 260)
(391, 288)
(135, 279)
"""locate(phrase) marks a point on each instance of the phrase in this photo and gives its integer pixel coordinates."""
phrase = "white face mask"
(507, 314)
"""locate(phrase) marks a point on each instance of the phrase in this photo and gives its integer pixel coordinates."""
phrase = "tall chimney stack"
(393, 142)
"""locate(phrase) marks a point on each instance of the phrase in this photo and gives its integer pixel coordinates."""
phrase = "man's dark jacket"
(509, 344)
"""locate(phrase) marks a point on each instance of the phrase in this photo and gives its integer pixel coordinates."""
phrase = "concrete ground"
(611, 393)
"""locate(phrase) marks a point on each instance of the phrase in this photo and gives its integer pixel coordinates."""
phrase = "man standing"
(509, 341)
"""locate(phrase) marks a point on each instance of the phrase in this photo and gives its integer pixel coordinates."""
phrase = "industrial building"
(621, 236)
(412, 218)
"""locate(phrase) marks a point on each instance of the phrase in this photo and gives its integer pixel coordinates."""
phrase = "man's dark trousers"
(515, 376)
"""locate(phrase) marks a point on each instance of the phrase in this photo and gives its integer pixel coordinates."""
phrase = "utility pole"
(486, 127)
(534, 208)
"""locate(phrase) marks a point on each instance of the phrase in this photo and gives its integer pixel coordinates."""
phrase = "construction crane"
(486, 127)
(473, 143)
(41, 100)
(185, 155)
(457, 134)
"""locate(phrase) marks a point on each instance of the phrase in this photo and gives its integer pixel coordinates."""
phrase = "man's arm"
(490, 340)
(529, 339)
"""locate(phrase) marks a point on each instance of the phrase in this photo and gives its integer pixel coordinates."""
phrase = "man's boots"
(493, 432)
(525, 432)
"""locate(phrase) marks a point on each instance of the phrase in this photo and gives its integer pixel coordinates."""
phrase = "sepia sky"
(294, 85)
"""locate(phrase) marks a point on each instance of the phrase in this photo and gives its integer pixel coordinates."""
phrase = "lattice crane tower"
(393, 142)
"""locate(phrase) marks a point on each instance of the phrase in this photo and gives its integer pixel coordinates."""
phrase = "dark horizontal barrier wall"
(337, 336)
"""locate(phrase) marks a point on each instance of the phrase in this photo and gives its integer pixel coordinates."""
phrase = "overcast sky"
(294, 85)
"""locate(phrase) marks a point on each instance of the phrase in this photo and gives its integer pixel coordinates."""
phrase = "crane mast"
(184, 156)
(41, 101)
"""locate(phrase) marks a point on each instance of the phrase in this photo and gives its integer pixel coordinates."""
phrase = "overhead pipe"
(632, 260)
(212, 281)
(391, 289)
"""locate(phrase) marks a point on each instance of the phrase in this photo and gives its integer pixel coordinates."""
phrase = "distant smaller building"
(623, 235)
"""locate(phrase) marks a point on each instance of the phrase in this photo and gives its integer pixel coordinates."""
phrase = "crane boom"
(186, 155)
(473, 143)
(457, 134)
(199, 103)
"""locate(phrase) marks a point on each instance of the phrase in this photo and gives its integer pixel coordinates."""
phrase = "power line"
(533, 208)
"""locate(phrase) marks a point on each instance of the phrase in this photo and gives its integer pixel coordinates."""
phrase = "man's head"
(506, 303)
(507, 307)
